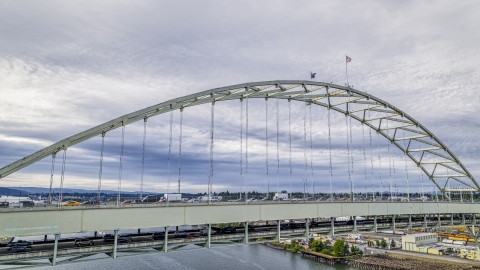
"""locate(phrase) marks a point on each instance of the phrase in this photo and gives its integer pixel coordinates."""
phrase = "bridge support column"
(165, 241)
(355, 224)
(451, 219)
(55, 247)
(209, 236)
(44, 238)
(375, 227)
(425, 224)
(393, 224)
(278, 230)
(95, 234)
(307, 227)
(138, 231)
(115, 244)
(246, 233)
(474, 219)
(439, 222)
(409, 221)
(332, 226)
(463, 219)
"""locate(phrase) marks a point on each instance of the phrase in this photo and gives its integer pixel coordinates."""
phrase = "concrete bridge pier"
(474, 219)
(393, 223)
(307, 227)
(332, 226)
(463, 219)
(409, 221)
(355, 224)
(246, 233)
(439, 221)
(55, 248)
(165, 240)
(278, 230)
(95, 234)
(375, 227)
(115, 244)
(425, 224)
(209, 236)
(451, 219)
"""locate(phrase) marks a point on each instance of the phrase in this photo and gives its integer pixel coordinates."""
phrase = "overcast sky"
(69, 66)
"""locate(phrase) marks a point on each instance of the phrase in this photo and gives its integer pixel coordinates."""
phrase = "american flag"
(348, 59)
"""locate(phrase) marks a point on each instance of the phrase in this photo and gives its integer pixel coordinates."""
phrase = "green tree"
(392, 244)
(377, 243)
(339, 248)
(383, 244)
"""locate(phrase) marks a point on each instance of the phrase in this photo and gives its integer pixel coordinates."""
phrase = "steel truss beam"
(302, 91)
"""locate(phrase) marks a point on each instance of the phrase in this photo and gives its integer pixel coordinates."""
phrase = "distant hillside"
(10, 191)
(65, 190)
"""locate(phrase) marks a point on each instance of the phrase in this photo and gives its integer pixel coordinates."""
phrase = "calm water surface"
(232, 257)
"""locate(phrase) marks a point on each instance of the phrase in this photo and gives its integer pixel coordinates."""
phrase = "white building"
(412, 241)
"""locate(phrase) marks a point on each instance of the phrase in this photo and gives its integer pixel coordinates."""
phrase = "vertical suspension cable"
(371, 156)
(266, 141)
(348, 158)
(100, 172)
(406, 167)
(305, 142)
(62, 177)
(121, 165)
(420, 176)
(390, 165)
(241, 147)
(351, 153)
(51, 178)
(380, 165)
(246, 152)
(290, 141)
(278, 153)
(311, 143)
(330, 153)
(364, 159)
(212, 126)
(143, 156)
(180, 150)
(169, 152)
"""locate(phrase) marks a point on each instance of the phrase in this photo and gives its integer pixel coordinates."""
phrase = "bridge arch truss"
(379, 115)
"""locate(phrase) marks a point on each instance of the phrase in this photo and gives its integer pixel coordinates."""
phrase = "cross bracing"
(400, 129)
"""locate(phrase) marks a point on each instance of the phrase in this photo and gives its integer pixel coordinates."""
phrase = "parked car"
(194, 235)
(124, 239)
(17, 249)
(252, 200)
(181, 234)
(229, 229)
(20, 243)
(204, 232)
(83, 242)
(158, 235)
(251, 227)
(71, 203)
(108, 237)
(285, 226)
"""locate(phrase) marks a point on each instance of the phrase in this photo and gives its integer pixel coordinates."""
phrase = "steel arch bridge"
(365, 108)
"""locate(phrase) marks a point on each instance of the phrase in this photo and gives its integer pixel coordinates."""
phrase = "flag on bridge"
(312, 75)
(348, 59)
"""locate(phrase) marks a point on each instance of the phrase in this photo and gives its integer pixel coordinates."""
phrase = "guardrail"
(143, 205)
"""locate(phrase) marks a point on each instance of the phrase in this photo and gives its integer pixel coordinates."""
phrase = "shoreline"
(389, 261)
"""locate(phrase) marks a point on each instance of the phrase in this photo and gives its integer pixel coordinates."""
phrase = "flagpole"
(346, 70)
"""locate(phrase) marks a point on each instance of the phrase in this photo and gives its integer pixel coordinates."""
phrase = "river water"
(232, 257)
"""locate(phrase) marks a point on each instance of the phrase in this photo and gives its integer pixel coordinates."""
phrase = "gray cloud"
(67, 67)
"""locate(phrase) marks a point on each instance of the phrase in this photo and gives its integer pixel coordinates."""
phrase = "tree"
(339, 248)
(383, 244)
(392, 244)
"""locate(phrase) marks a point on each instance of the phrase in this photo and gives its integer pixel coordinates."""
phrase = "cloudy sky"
(69, 66)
